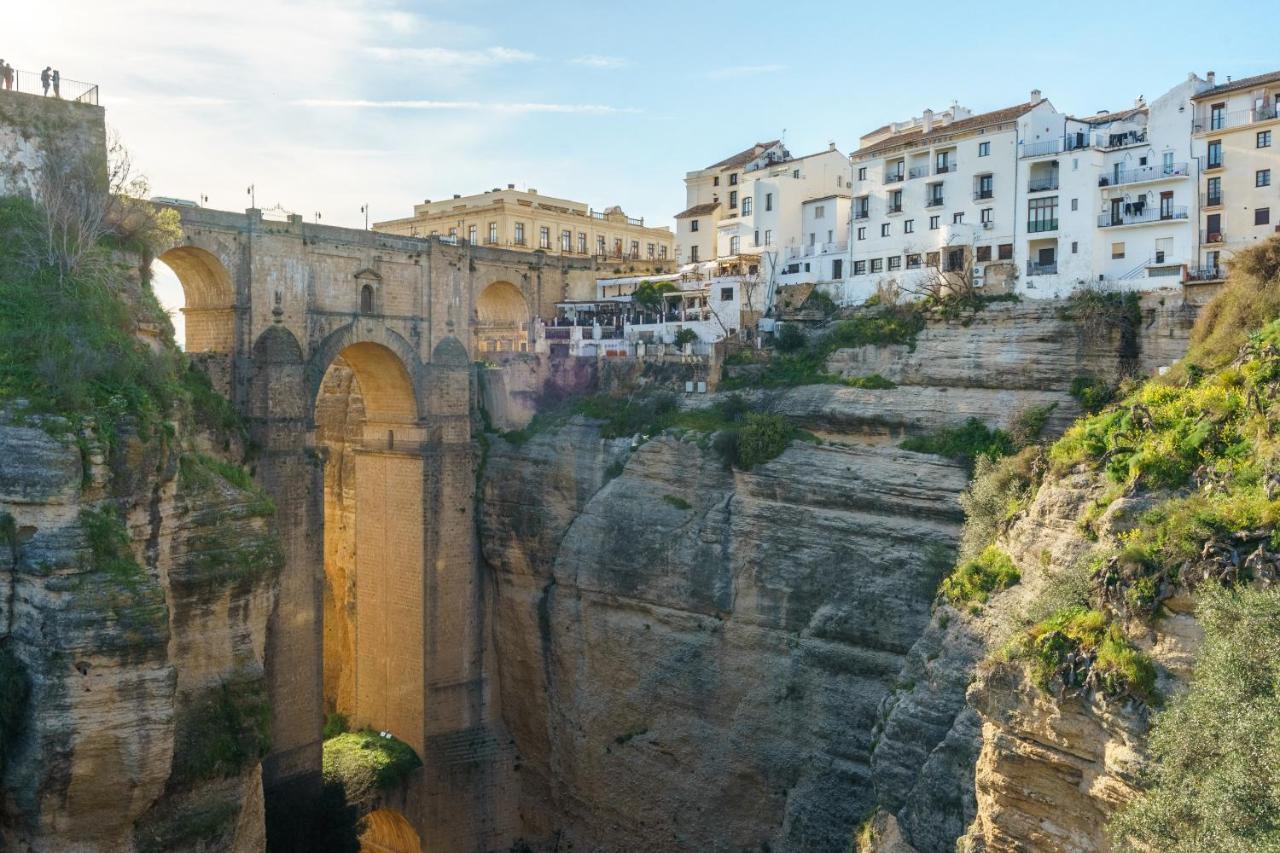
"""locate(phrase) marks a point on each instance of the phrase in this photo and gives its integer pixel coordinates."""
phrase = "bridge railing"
(31, 83)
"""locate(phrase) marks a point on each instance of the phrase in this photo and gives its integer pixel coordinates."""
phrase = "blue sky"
(326, 105)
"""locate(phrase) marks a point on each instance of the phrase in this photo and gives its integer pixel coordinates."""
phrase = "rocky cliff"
(704, 658)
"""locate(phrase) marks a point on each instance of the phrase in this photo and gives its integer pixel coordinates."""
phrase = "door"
(1117, 210)
(837, 269)
(1213, 228)
(1046, 256)
(1166, 205)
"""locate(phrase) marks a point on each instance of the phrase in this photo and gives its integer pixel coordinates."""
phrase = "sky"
(324, 106)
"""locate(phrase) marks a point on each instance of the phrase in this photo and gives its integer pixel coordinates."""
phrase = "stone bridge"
(350, 352)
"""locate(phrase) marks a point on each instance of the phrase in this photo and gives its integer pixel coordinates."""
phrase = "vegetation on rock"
(973, 581)
(364, 762)
(1078, 650)
(999, 490)
(964, 444)
(221, 730)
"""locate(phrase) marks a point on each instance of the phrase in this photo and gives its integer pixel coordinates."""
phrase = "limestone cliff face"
(136, 593)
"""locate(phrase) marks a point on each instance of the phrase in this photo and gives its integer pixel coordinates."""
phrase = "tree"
(649, 295)
(946, 281)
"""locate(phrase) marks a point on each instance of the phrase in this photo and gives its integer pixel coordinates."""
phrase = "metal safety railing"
(40, 83)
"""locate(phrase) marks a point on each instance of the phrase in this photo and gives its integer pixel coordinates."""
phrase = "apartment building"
(1234, 133)
(722, 194)
(938, 191)
(524, 220)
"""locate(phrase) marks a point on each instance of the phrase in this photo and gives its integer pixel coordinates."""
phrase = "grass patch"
(999, 490)
(109, 544)
(1092, 393)
(963, 444)
(1078, 650)
(199, 471)
(973, 581)
(873, 382)
(335, 723)
(365, 762)
(220, 731)
(677, 502)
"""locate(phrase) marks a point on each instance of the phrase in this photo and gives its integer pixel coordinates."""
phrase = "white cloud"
(595, 60)
(464, 106)
(445, 57)
(743, 71)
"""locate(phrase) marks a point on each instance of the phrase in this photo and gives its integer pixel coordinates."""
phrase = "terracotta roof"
(1242, 83)
(915, 134)
(699, 210)
(1105, 118)
(742, 158)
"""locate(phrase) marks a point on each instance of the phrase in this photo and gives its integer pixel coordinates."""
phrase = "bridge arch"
(386, 359)
(387, 831)
(501, 322)
(209, 294)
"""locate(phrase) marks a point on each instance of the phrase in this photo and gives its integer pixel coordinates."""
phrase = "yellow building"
(526, 221)
(1236, 133)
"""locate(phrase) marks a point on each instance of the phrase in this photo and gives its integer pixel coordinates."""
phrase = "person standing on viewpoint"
(57, 83)
(44, 79)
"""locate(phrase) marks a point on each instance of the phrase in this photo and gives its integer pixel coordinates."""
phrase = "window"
(768, 201)
(693, 225)
(913, 262)
(1214, 158)
(733, 199)
(493, 232)
(837, 269)
(635, 249)
(1213, 194)
(813, 238)
(986, 214)
(1117, 251)
(1075, 204)
(544, 237)
(519, 233)
(862, 173)
(1042, 214)
(726, 294)
(582, 242)
(472, 231)
(795, 173)
(862, 233)
(819, 211)
(984, 149)
(884, 230)
(757, 237)
(877, 265)
(693, 254)
(746, 205)
(955, 260)
(984, 253)
(768, 236)
(986, 186)
(895, 201)
(859, 267)
(957, 218)
(932, 259)
(895, 263)
(715, 181)
(662, 252)
(1005, 251)
(1264, 139)
(934, 223)
(1217, 116)
(909, 226)
(651, 250)
(933, 195)
(733, 179)
(831, 238)
(1075, 247)
(1262, 216)
(617, 247)
(1262, 178)
(566, 241)
(599, 244)
(366, 299)
(734, 242)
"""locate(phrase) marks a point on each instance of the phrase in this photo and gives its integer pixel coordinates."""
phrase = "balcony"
(1211, 237)
(1211, 199)
(983, 195)
(1039, 226)
(917, 172)
(1195, 274)
(1043, 184)
(862, 214)
(1142, 216)
(1143, 174)
(945, 168)
(933, 201)
(1212, 163)
(1208, 121)
(894, 177)
(1042, 269)
(894, 208)
(1041, 149)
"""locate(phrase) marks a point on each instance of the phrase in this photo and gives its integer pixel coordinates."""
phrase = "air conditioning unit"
(977, 272)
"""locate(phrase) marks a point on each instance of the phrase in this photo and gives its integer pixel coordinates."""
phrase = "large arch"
(366, 419)
(501, 322)
(387, 831)
(386, 358)
(209, 294)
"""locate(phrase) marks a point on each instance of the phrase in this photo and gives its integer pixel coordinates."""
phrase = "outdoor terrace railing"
(1210, 237)
(944, 168)
(1148, 214)
(1144, 173)
(29, 82)
(918, 172)
(1042, 269)
(1205, 274)
(1210, 199)
(1041, 184)
(1036, 226)
(1207, 121)
(1040, 149)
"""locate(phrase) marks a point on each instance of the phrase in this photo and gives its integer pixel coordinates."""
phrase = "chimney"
(1140, 101)
(1209, 78)
(831, 146)
(1035, 96)
(926, 121)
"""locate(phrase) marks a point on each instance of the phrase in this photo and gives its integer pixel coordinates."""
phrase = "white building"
(719, 194)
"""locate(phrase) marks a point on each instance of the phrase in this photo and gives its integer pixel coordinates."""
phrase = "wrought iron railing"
(1142, 216)
(1042, 269)
(1144, 173)
(36, 83)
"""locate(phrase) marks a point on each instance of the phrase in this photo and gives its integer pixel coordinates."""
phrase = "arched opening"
(387, 831)
(194, 286)
(366, 299)
(501, 319)
(366, 418)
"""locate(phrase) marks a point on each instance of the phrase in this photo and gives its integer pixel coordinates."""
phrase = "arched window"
(366, 299)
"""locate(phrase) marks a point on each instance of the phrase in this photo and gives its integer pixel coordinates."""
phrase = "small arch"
(387, 831)
(366, 299)
(277, 388)
(209, 295)
(501, 321)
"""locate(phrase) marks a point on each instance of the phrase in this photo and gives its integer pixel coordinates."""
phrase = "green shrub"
(1210, 781)
(999, 490)
(365, 762)
(1029, 424)
(1091, 393)
(109, 544)
(677, 501)
(820, 301)
(761, 438)
(685, 336)
(874, 382)
(963, 444)
(198, 470)
(335, 723)
(221, 730)
(649, 294)
(974, 580)
(1077, 649)
(789, 338)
